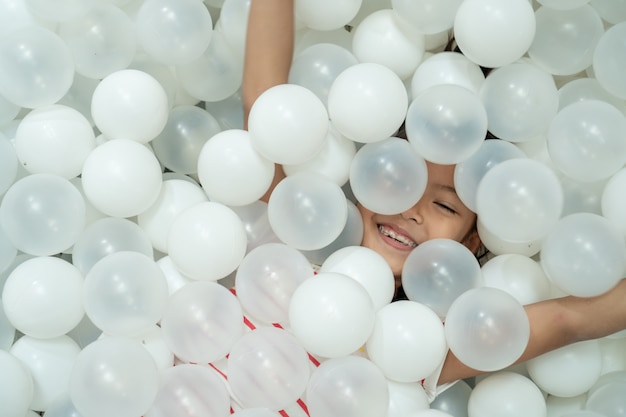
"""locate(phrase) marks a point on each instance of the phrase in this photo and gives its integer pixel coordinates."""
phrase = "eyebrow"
(446, 187)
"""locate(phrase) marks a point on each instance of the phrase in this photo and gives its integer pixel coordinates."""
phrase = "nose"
(413, 214)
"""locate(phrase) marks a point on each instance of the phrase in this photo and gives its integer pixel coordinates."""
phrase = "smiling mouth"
(400, 238)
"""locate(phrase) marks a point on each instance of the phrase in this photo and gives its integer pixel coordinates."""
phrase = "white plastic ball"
(54, 139)
(494, 33)
(283, 113)
(367, 102)
(331, 314)
(122, 178)
(130, 104)
(231, 171)
(42, 297)
(408, 341)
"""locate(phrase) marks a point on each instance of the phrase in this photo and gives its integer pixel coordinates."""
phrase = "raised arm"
(268, 55)
(559, 322)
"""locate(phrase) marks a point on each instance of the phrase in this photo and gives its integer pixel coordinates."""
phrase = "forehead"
(440, 174)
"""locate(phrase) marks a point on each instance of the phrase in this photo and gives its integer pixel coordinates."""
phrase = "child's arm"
(268, 55)
(559, 322)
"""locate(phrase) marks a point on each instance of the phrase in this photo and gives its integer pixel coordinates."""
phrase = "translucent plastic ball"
(228, 112)
(174, 33)
(8, 164)
(267, 278)
(568, 371)
(437, 272)
(179, 144)
(429, 413)
(585, 140)
(612, 12)
(576, 32)
(327, 14)
(42, 297)
(368, 268)
(529, 200)
(79, 95)
(175, 196)
(562, 4)
(331, 314)
(8, 252)
(333, 161)
(351, 235)
(608, 57)
(499, 246)
(130, 104)
(285, 112)
(388, 176)
(114, 376)
(106, 236)
(207, 241)
(586, 88)
(61, 11)
(232, 22)
(231, 171)
(493, 33)
(519, 275)
(17, 385)
(453, 400)
(307, 211)
(487, 328)
(256, 223)
(582, 196)
(102, 41)
(45, 135)
(50, 362)
(255, 412)
(216, 74)
(408, 341)
(317, 66)
(267, 367)
(613, 202)
(379, 38)
(37, 68)
(469, 172)
(125, 294)
(122, 178)
(608, 399)
(349, 386)
(521, 100)
(367, 102)
(202, 322)
(406, 397)
(8, 110)
(446, 123)
(42, 214)
(7, 330)
(426, 16)
(506, 393)
(446, 68)
(187, 387)
(584, 255)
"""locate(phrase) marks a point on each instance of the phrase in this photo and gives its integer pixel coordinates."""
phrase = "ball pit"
(142, 275)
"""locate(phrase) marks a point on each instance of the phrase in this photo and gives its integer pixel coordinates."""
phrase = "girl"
(438, 214)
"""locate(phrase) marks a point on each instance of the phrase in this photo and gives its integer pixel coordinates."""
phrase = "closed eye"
(446, 207)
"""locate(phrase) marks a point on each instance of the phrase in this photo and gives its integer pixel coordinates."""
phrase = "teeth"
(400, 238)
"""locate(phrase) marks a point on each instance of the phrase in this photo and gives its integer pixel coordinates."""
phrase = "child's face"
(438, 214)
